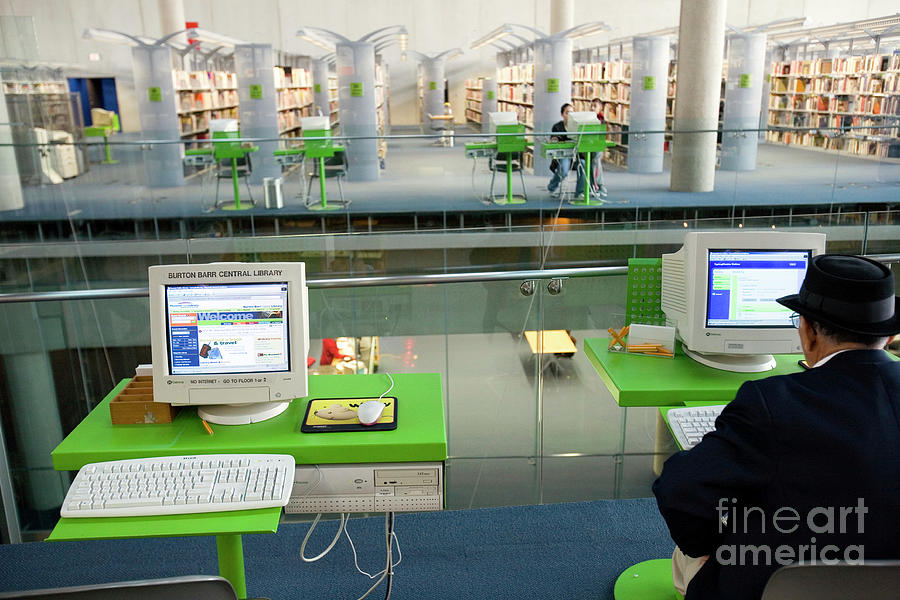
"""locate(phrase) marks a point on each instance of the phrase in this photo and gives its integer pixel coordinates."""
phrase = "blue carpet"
(570, 551)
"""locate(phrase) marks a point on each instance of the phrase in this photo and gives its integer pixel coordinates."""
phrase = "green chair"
(593, 143)
(647, 580)
(104, 130)
(232, 159)
(510, 150)
(330, 159)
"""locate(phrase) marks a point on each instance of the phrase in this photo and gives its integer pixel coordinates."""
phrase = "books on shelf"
(848, 104)
(201, 96)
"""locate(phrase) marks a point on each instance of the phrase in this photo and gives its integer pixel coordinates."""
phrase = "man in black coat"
(802, 467)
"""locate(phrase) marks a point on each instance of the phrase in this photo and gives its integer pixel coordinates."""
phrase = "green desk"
(636, 380)
(103, 131)
(591, 139)
(420, 436)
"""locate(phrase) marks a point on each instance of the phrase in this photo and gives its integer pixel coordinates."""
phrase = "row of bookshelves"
(35, 87)
(203, 80)
(292, 77)
(289, 98)
(879, 149)
(206, 100)
(852, 65)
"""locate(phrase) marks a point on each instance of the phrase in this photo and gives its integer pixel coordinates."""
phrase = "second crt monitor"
(720, 289)
(231, 338)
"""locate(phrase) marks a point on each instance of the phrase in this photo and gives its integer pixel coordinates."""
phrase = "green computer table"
(420, 436)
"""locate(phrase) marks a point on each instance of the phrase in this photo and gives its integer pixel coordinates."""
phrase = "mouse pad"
(339, 414)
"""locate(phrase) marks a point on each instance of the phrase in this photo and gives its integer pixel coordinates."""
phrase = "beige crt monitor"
(719, 291)
(230, 338)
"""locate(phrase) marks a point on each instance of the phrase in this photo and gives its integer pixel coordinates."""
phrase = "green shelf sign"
(552, 85)
(317, 87)
(746, 80)
(154, 94)
(649, 82)
(256, 91)
(490, 95)
(432, 85)
(356, 89)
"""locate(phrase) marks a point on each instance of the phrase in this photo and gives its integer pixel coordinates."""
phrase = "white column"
(743, 90)
(36, 421)
(649, 82)
(433, 94)
(171, 18)
(356, 99)
(701, 39)
(552, 89)
(321, 101)
(258, 108)
(562, 15)
(10, 185)
(488, 101)
(159, 115)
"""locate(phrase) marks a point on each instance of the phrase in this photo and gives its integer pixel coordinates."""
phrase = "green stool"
(508, 148)
(647, 580)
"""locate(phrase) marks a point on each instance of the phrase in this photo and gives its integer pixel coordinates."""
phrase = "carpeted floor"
(566, 551)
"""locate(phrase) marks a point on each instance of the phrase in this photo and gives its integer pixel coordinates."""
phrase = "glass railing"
(521, 428)
(63, 187)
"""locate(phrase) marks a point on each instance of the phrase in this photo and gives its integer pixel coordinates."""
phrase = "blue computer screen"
(227, 328)
(744, 284)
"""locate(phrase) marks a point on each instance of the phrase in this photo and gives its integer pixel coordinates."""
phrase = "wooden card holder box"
(135, 405)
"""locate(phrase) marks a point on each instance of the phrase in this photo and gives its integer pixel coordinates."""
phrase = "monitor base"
(241, 414)
(737, 363)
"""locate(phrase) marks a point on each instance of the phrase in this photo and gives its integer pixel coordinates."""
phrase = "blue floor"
(555, 551)
(422, 178)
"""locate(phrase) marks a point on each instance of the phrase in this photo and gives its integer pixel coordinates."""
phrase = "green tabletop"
(636, 380)
(420, 433)
(482, 146)
(260, 520)
(98, 131)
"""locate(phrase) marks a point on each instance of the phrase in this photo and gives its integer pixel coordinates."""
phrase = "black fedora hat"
(850, 293)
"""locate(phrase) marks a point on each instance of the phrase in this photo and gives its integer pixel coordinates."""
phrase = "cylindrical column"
(321, 100)
(562, 15)
(701, 39)
(10, 184)
(254, 65)
(357, 102)
(488, 102)
(159, 114)
(433, 81)
(37, 425)
(764, 96)
(649, 82)
(552, 89)
(171, 18)
(743, 89)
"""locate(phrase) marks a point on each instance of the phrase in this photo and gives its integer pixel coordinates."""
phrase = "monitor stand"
(738, 363)
(241, 414)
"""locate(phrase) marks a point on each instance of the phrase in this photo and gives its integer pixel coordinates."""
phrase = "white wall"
(434, 26)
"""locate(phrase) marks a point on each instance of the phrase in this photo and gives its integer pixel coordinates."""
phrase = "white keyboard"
(172, 485)
(690, 424)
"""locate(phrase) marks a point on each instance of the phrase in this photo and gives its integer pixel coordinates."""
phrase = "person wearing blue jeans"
(561, 167)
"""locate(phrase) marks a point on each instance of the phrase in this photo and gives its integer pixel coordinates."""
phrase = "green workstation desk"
(420, 436)
(636, 380)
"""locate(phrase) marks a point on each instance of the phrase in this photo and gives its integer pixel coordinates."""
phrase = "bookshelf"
(201, 96)
(294, 98)
(671, 88)
(850, 93)
(473, 100)
(611, 82)
(515, 93)
(46, 124)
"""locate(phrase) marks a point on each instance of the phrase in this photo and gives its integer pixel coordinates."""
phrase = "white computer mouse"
(369, 412)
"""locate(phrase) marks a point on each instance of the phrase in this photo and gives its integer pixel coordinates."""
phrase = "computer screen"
(231, 338)
(228, 328)
(743, 286)
(719, 292)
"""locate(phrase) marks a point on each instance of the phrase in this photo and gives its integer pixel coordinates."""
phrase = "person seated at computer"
(562, 166)
(801, 467)
(597, 185)
(330, 352)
